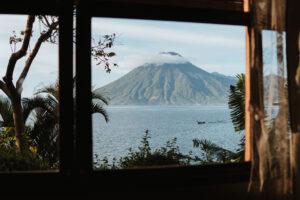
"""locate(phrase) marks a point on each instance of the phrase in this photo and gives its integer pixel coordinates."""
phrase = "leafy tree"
(48, 33)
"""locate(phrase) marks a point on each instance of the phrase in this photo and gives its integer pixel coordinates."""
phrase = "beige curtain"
(271, 175)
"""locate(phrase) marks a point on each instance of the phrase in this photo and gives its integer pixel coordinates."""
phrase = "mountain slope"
(168, 84)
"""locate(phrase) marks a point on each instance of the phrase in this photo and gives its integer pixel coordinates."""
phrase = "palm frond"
(51, 89)
(97, 96)
(6, 113)
(237, 103)
(44, 135)
(44, 131)
(97, 108)
(212, 152)
(37, 102)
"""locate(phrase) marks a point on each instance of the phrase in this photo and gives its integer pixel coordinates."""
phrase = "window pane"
(29, 93)
(167, 93)
(276, 116)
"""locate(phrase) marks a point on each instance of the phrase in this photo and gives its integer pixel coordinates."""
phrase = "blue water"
(127, 126)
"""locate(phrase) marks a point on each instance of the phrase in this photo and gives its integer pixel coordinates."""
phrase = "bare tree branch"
(4, 88)
(43, 37)
(46, 21)
(22, 52)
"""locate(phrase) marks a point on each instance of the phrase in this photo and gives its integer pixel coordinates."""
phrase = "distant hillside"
(224, 76)
(169, 84)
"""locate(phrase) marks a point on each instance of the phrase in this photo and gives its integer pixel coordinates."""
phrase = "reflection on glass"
(167, 93)
(29, 93)
(276, 130)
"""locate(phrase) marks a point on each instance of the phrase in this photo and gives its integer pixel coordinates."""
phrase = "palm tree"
(40, 114)
(7, 132)
(43, 129)
(211, 151)
(237, 103)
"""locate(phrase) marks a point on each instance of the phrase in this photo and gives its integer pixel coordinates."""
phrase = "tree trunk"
(19, 123)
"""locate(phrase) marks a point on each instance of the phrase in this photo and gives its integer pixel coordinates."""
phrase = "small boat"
(198, 122)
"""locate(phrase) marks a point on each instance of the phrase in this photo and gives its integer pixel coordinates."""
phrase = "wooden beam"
(293, 67)
(167, 12)
(35, 7)
(253, 89)
(247, 91)
(236, 5)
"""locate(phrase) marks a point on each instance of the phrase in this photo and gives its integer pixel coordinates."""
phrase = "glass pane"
(276, 119)
(167, 93)
(29, 93)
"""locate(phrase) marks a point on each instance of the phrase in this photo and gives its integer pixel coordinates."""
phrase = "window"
(170, 80)
(33, 90)
(85, 118)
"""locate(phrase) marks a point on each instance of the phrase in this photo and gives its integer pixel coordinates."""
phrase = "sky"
(214, 48)
(44, 69)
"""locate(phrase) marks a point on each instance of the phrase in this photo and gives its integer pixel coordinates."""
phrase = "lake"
(127, 126)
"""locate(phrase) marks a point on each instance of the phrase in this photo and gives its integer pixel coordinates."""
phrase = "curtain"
(271, 138)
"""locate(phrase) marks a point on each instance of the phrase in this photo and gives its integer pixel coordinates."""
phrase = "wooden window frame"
(76, 160)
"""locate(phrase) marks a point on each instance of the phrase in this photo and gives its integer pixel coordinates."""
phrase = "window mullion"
(83, 91)
(66, 137)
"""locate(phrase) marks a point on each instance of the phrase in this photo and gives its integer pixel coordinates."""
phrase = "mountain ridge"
(168, 84)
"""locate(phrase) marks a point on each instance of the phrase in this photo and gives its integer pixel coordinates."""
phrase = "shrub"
(10, 160)
(166, 155)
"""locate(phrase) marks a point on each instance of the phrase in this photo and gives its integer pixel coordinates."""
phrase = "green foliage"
(212, 153)
(14, 39)
(44, 131)
(167, 155)
(6, 113)
(103, 164)
(99, 54)
(10, 160)
(42, 136)
(237, 103)
(145, 157)
(7, 137)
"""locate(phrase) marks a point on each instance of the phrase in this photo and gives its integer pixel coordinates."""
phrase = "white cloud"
(140, 31)
(129, 62)
(12, 22)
